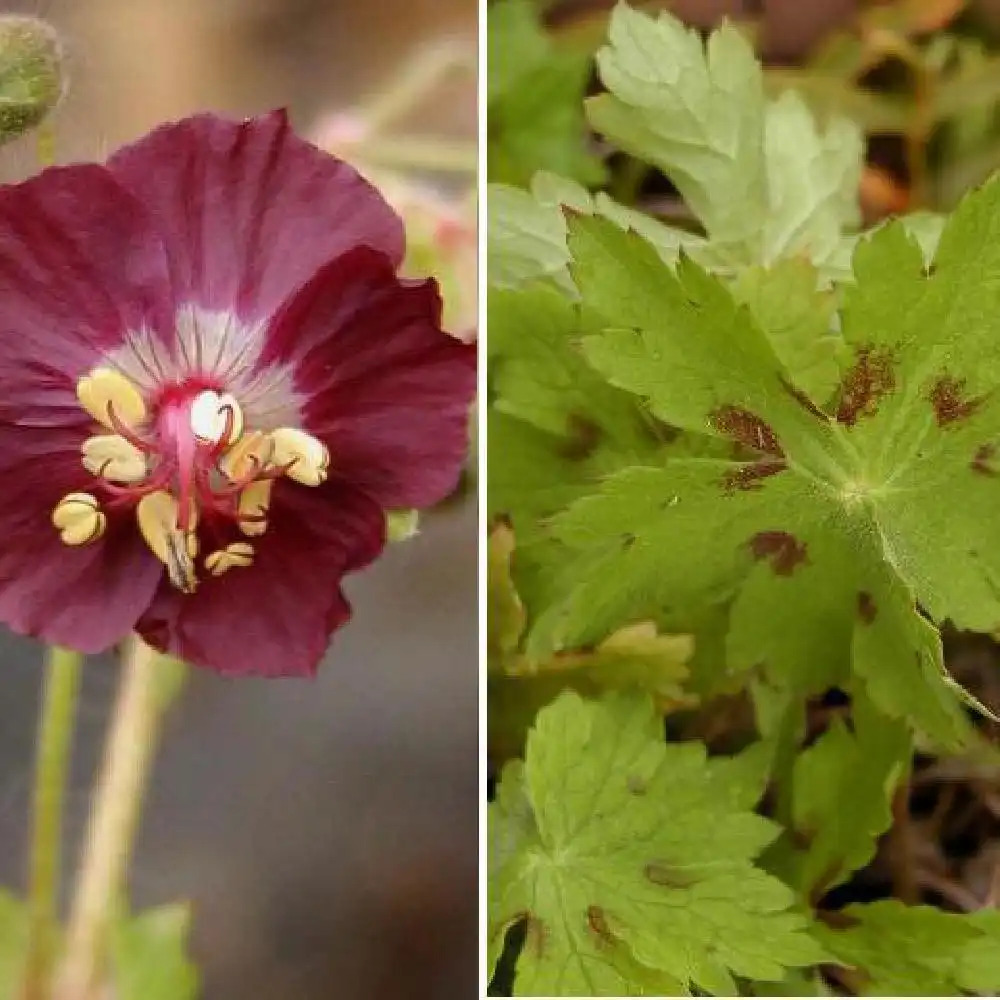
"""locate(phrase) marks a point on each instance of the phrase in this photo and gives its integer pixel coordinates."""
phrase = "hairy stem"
(55, 738)
(118, 799)
(421, 154)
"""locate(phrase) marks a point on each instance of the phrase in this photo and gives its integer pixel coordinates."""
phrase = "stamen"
(248, 456)
(106, 388)
(216, 418)
(113, 458)
(157, 517)
(79, 518)
(253, 504)
(306, 457)
(237, 555)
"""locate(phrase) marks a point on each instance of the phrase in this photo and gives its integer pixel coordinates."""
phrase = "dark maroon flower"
(212, 386)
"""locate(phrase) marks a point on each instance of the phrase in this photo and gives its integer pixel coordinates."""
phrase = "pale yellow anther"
(113, 458)
(238, 555)
(307, 458)
(79, 518)
(156, 515)
(254, 501)
(211, 412)
(104, 387)
(249, 455)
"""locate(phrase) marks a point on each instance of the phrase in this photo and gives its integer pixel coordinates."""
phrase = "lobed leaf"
(634, 856)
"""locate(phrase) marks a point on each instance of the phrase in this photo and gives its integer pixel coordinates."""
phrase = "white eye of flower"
(210, 414)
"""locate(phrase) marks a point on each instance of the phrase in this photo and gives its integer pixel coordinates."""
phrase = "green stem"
(416, 81)
(132, 741)
(55, 738)
(417, 153)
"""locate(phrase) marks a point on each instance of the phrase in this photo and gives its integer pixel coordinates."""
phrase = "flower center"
(188, 467)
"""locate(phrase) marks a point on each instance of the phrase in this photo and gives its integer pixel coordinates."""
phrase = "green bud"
(31, 74)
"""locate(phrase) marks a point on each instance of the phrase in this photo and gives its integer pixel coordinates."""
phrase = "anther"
(252, 507)
(215, 418)
(236, 555)
(250, 455)
(79, 518)
(105, 390)
(306, 458)
(113, 458)
(156, 515)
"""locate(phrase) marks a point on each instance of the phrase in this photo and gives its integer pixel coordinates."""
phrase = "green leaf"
(618, 849)
(842, 791)
(149, 956)
(526, 232)
(505, 617)
(797, 318)
(524, 240)
(13, 943)
(979, 970)
(534, 94)
(761, 177)
(531, 474)
(832, 520)
(540, 375)
(914, 951)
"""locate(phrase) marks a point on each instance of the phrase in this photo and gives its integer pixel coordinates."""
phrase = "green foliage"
(759, 175)
(842, 791)
(629, 864)
(736, 461)
(533, 93)
(829, 520)
(149, 956)
(915, 951)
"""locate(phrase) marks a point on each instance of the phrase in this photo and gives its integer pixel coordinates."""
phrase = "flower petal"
(386, 390)
(80, 266)
(250, 211)
(86, 597)
(275, 617)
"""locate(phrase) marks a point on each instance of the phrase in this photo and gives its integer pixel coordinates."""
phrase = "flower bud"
(31, 74)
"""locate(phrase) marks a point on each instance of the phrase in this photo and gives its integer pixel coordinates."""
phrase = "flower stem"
(118, 798)
(416, 81)
(55, 737)
(421, 154)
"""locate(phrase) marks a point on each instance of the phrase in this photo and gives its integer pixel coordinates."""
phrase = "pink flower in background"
(212, 386)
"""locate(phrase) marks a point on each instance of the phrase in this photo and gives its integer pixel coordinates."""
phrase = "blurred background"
(326, 832)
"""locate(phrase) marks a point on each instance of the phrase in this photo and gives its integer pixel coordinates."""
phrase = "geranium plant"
(221, 392)
(743, 476)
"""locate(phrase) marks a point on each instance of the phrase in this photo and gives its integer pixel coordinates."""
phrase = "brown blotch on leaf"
(598, 924)
(536, 936)
(871, 377)
(784, 551)
(628, 540)
(745, 428)
(666, 875)
(635, 784)
(802, 399)
(980, 463)
(867, 609)
(749, 476)
(946, 396)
